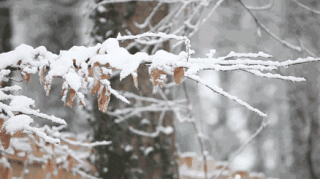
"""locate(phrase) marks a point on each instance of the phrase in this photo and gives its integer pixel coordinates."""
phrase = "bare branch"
(223, 93)
(307, 8)
(244, 145)
(293, 47)
(265, 7)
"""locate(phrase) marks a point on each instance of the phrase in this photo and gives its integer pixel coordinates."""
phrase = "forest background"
(287, 147)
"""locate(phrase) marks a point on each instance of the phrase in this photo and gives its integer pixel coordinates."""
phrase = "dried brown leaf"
(90, 70)
(5, 139)
(26, 77)
(103, 100)
(48, 87)
(5, 173)
(70, 159)
(1, 122)
(72, 95)
(178, 74)
(49, 166)
(156, 75)
(188, 161)
(96, 88)
(42, 77)
(75, 63)
(104, 76)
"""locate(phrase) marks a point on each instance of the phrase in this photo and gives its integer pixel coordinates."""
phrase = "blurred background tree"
(288, 148)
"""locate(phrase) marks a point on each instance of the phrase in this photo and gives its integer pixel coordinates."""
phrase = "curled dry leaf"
(157, 77)
(96, 88)
(178, 74)
(1, 123)
(26, 77)
(41, 75)
(103, 100)
(72, 95)
(75, 64)
(90, 70)
(4, 137)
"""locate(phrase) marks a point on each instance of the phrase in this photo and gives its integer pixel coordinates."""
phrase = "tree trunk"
(5, 29)
(303, 97)
(127, 156)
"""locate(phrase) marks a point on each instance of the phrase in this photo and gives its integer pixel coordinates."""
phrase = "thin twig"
(296, 48)
(265, 7)
(263, 125)
(204, 157)
(223, 93)
(307, 8)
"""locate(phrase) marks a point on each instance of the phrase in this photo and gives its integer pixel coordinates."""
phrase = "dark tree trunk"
(5, 29)
(303, 97)
(115, 161)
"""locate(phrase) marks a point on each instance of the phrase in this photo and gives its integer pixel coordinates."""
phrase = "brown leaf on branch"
(35, 148)
(70, 159)
(49, 166)
(64, 94)
(96, 88)
(72, 95)
(26, 77)
(75, 64)
(188, 161)
(90, 70)
(80, 103)
(157, 77)
(1, 122)
(5, 139)
(104, 76)
(41, 74)
(178, 74)
(103, 100)
(5, 172)
(48, 87)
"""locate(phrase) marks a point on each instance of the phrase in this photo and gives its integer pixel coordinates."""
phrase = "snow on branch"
(307, 8)
(264, 7)
(223, 93)
(89, 68)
